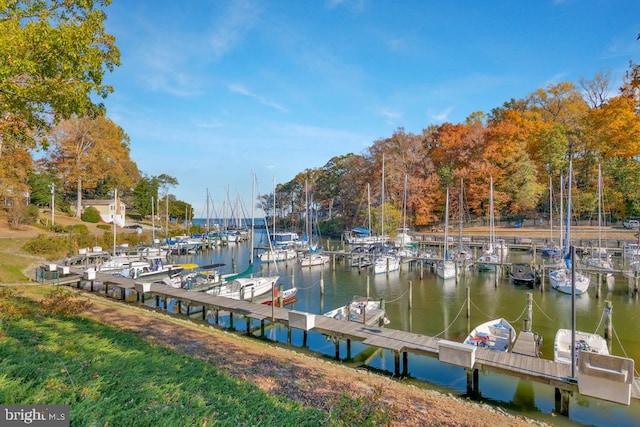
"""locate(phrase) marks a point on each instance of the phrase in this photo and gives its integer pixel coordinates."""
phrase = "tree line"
(525, 145)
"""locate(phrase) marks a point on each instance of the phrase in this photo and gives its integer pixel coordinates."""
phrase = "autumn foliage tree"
(54, 55)
(85, 152)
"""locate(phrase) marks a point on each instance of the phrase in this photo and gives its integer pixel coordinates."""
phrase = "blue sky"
(212, 92)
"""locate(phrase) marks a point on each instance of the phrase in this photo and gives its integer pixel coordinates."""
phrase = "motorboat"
(496, 334)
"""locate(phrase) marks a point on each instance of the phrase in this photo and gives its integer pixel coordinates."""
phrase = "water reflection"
(439, 308)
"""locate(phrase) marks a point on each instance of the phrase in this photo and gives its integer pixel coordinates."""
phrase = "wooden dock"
(521, 362)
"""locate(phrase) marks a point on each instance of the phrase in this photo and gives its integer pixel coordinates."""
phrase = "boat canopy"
(362, 231)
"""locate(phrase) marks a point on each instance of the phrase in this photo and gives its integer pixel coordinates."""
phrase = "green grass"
(109, 377)
(12, 261)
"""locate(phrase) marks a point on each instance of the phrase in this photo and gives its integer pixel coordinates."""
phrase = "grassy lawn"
(13, 261)
(110, 377)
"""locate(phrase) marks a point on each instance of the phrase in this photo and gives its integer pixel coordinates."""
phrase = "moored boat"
(523, 274)
(288, 296)
(584, 341)
(361, 310)
(496, 334)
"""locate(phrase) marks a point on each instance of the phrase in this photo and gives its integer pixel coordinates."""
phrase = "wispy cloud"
(440, 116)
(240, 89)
(390, 115)
(236, 21)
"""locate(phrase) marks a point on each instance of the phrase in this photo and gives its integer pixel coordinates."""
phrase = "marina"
(422, 309)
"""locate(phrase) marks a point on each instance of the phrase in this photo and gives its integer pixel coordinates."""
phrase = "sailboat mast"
(550, 208)
(446, 227)
(599, 209)
(369, 205)
(274, 207)
(492, 236)
(382, 201)
(253, 197)
(153, 223)
(568, 217)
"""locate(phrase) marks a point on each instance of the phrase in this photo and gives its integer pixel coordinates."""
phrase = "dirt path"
(309, 380)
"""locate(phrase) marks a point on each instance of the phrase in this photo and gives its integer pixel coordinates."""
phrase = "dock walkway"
(521, 362)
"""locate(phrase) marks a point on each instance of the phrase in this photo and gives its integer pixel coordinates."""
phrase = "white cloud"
(238, 20)
(240, 89)
(440, 116)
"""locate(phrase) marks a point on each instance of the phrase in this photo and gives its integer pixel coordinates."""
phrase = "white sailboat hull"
(561, 281)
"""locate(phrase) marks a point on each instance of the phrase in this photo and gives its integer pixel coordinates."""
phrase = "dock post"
(231, 320)
(157, 301)
(562, 401)
(457, 272)
(421, 270)
(396, 363)
(216, 315)
(476, 382)
(608, 321)
(410, 294)
(468, 302)
(262, 328)
(204, 312)
(288, 335)
(542, 278)
(528, 320)
(280, 297)
(599, 285)
(405, 364)
(472, 382)
(304, 338)
(337, 344)
(248, 325)
(348, 349)
(368, 287)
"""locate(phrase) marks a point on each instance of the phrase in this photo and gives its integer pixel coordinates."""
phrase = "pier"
(522, 362)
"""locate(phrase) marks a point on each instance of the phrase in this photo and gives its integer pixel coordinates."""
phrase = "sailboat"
(315, 256)
(600, 258)
(461, 254)
(489, 259)
(552, 251)
(562, 279)
(280, 244)
(446, 269)
(386, 260)
(245, 286)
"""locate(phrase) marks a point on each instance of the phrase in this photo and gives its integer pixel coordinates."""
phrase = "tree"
(145, 190)
(88, 151)
(54, 55)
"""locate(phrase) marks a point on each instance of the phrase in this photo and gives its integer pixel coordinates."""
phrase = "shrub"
(91, 215)
(59, 228)
(104, 226)
(64, 303)
(9, 304)
(363, 410)
(49, 247)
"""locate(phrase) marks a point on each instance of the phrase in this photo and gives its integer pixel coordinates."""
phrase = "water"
(439, 310)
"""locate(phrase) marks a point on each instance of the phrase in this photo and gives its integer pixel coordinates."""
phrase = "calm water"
(439, 310)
